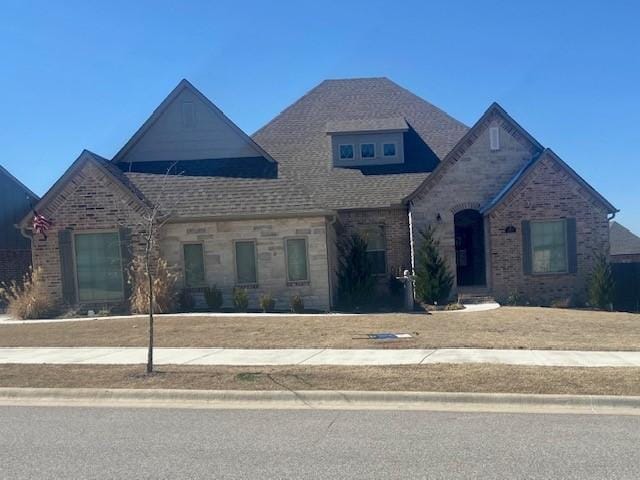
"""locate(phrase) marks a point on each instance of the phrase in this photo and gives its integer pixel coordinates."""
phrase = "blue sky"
(84, 74)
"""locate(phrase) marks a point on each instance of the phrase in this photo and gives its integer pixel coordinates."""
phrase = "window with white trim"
(346, 151)
(367, 150)
(549, 246)
(388, 149)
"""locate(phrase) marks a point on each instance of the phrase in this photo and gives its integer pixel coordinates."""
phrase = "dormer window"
(389, 149)
(368, 150)
(346, 152)
(367, 142)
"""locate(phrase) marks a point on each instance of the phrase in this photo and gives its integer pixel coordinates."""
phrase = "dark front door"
(469, 236)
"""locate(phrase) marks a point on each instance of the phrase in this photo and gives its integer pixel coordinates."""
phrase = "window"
(494, 138)
(368, 150)
(246, 273)
(297, 265)
(193, 265)
(376, 251)
(389, 149)
(346, 152)
(98, 267)
(549, 246)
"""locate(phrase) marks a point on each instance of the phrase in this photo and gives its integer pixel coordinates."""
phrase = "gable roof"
(623, 241)
(22, 186)
(494, 111)
(164, 105)
(297, 138)
(524, 172)
(103, 164)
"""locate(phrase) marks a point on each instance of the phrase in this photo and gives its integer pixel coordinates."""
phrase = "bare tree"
(148, 226)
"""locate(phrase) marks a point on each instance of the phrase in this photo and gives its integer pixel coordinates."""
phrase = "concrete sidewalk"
(293, 356)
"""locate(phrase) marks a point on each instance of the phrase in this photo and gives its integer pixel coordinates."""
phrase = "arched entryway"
(469, 235)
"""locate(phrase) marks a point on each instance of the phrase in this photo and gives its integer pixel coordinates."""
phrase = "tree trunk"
(149, 277)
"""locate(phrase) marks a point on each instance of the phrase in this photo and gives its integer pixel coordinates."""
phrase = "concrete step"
(474, 299)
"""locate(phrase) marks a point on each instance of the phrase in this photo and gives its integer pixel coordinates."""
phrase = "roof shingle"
(298, 140)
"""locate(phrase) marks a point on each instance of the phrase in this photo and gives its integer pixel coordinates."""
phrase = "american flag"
(41, 224)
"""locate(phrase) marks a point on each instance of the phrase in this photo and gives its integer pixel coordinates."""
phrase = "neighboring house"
(625, 266)
(15, 249)
(625, 245)
(361, 155)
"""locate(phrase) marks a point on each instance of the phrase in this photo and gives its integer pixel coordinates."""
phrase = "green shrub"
(355, 279)
(433, 279)
(213, 298)
(240, 299)
(28, 299)
(601, 283)
(297, 304)
(267, 303)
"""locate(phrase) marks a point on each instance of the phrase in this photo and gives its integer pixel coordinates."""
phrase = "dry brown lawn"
(435, 378)
(507, 327)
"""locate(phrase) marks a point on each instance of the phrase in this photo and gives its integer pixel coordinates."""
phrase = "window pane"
(376, 248)
(549, 246)
(193, 265)
(297, 260)
(389, 149)
(246, 262)
(346, 152)
(367, 150)
(98, 267)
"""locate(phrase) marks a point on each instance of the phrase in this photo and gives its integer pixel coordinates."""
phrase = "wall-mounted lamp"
(438, 218)
(510, 229)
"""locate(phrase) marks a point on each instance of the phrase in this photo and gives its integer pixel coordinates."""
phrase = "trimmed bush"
(186, 302)
(297, 304)
(601, 285)
(28, 299)
(213, 298)
(163, 285)
(240, 300)
(433, 279)
(267, 303)
(356, 282)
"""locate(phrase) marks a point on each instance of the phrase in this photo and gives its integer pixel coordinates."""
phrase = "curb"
(322, 399)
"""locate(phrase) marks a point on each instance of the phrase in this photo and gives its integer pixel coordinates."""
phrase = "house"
(15, 249)
(358, 155)
(625, 245)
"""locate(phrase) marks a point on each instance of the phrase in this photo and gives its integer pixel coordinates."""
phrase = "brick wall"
(14, 264)
(90, 201)
(396, 230)
(548, 193)
(477, 176)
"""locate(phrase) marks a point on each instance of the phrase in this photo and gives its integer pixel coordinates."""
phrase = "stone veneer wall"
(396, 229)
(469, 183)
(547, 193)
(90, 201)
(218, 239)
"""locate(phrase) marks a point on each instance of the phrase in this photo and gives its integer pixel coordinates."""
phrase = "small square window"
(389, 149)
(346, 152)
(368, 150)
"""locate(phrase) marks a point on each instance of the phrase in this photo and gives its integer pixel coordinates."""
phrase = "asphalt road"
(85, 443)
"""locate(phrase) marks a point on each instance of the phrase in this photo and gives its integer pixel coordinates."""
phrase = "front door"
(469, 238)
